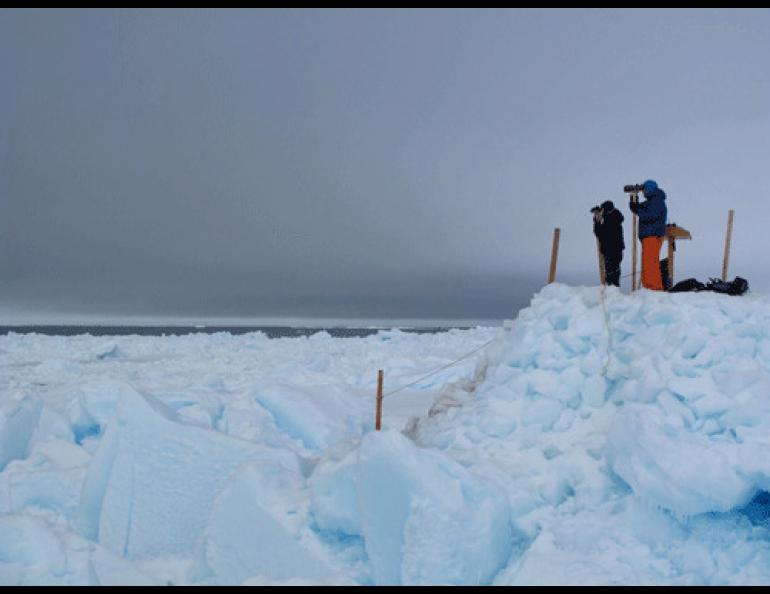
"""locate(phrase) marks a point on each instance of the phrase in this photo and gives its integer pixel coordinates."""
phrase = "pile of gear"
(737, 286)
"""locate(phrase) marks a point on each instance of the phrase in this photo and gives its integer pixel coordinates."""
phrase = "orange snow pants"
(651, 278)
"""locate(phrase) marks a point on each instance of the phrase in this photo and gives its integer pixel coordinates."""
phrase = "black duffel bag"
(687, 285)
(737, 286)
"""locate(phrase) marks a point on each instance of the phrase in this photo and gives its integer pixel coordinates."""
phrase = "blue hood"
(649, 187)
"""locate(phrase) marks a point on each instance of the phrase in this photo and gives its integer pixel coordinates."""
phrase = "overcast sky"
(388, 164)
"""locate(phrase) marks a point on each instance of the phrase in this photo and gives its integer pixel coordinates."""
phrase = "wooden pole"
(633, 254)
(378, 416)
(671, 261)
(727, 244)
(554, 255)
(634, 231)
(602, 272)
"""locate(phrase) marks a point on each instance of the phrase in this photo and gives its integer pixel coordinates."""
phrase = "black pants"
(612, 267)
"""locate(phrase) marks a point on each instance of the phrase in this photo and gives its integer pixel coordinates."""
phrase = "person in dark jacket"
(652, 229)
(608, 228)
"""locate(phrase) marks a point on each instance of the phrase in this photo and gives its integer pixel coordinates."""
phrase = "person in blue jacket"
(652, 229)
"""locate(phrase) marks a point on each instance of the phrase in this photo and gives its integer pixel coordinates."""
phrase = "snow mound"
(603, 439)
(596, 403)
(317, 418)
(18, 421)
(423, 517)
(33, 552)
(153, 480)
(259, 527)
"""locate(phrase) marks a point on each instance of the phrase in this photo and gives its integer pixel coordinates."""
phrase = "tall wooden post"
(634, 247)
(633, 253)
(554, 255)
(726, 260)
(378, 415)
(602, 272)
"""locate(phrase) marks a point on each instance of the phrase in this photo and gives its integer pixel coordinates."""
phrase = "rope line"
(486, 344)
(442, 368)
(623, 276)
(609, 331)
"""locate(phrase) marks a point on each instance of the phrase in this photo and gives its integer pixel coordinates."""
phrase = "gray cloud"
(364, 163)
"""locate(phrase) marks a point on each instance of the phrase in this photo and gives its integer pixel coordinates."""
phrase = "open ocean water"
(270, 331)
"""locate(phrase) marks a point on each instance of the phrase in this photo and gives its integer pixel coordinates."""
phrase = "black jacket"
(610, 232)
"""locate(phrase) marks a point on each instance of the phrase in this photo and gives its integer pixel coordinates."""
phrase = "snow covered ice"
(615, 440)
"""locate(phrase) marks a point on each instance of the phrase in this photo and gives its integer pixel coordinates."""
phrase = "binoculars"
(633, 188)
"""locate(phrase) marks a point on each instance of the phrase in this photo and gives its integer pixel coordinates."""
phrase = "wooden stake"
(671, 261)
(378, 416)
(602, 272)
(554, 255)
(635, 232)
(727, 244)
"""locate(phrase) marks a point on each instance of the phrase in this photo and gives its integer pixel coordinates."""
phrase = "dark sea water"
(270, 331)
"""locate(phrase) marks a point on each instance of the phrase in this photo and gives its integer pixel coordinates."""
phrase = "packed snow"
(598, 438)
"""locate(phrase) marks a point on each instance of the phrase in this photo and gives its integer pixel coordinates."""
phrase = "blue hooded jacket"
(652, 212)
